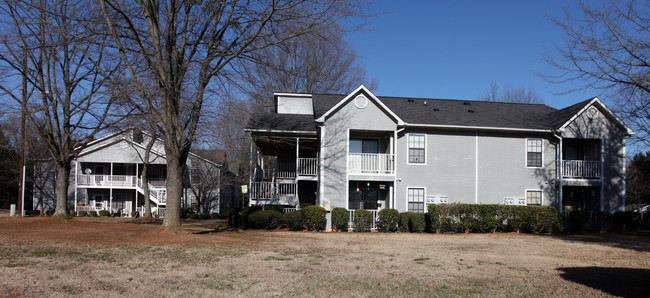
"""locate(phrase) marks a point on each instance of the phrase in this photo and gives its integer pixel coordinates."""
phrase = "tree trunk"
(174, 184)
(62, 182)
(145, 190)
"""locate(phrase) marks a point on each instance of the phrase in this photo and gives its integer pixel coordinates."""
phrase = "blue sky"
(454, 49)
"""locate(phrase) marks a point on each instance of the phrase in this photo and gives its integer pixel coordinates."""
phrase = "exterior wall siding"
(613, 154)
(334, 147)
(474, 168)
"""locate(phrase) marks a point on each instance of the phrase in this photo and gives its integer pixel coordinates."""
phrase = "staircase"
(157, 195)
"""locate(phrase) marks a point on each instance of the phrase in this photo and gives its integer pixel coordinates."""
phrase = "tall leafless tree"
(184, 45)
(606, 47)
(510, 94)
(45, 43)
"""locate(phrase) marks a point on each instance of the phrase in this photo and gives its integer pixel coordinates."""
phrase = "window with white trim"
(416, 200)
(534, 153)
(416, 148)
(533, 197)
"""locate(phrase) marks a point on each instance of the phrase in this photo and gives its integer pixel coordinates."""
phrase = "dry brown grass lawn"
(113, 258)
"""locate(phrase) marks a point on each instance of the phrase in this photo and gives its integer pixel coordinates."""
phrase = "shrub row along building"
(360, 151)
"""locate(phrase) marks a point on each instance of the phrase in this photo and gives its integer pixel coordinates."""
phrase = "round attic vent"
(361, 101)
(592, 113)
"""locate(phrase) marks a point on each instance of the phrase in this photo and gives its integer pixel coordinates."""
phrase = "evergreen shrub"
(340, 217)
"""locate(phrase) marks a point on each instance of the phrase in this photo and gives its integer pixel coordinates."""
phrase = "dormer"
(293, 103)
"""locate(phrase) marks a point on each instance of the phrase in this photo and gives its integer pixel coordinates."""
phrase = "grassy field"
(112, 258)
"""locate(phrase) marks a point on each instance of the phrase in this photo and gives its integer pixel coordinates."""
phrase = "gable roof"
(354, 94)
(564, 117)
(442, 113)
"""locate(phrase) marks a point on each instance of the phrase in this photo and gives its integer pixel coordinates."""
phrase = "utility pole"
(21, 183)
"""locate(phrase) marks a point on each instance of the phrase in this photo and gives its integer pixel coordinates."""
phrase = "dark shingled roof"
(286, 122)
(441, 112)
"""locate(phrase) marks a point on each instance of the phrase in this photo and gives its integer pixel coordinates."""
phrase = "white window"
(533, 197)
(416, 148)
(416, 200)
(534, 153)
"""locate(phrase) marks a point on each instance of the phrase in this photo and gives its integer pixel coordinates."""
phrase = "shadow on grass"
(637, 242)
(623, 282)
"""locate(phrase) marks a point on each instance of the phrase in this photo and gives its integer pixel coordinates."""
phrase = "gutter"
(463, 127)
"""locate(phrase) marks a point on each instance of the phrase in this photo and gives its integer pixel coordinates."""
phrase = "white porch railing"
(106, 180)
(373, 225)
(158, 194)
(307, 166)
(581, 169)
(286, 170)
(371, 163)
(271, 190)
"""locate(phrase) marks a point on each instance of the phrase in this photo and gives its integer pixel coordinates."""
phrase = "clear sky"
(454, 49)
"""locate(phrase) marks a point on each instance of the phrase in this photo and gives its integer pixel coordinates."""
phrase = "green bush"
(278, 208)
(214, 215)
(104, 213)
(442, 218)
(186, 212)
(205, 216)
(362, 220)
(264, 219)
(134, 214)
(235, 220)
(417, 223)
(314, 217)
(293, 220)
(230, 211)
(404, 219)
(340, 217)
(625, 222)
(92, 213)
(246, 211)
(471, 218)
(72, 213)
(388, 220)
(82, 213)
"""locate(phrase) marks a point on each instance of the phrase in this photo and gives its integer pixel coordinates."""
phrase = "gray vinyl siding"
(334, 147)
(613, 155)
(452, 166)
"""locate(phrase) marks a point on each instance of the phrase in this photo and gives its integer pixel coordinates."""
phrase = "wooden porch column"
(110, 191)
(297, 170)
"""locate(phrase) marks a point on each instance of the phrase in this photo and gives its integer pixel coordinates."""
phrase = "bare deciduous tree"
(47, 44)
(183, 45)
(519, 94)
(320, 62)
(606, 48)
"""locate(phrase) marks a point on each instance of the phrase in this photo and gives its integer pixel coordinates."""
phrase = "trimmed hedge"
(92, 213)
(104, 213)
(264, 219)
(293, 220)
(417, 223)
(362, 220)
(388, 220)
(340, 217)
(471, 218)
(404, 219)
(82, 213)
(314, 217)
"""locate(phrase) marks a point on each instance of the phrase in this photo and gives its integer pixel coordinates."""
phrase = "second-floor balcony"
(306, 167)
(371, 163)
(583, 169)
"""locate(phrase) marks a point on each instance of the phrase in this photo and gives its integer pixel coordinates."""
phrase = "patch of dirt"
(114, 231)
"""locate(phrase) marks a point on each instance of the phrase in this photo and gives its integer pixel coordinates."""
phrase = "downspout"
(559, 174)
(250, 175)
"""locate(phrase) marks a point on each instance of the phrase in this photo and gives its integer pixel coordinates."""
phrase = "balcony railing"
(106, 180)
(581, 169)
(271, 191)
(307, 166)
(371, 163)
